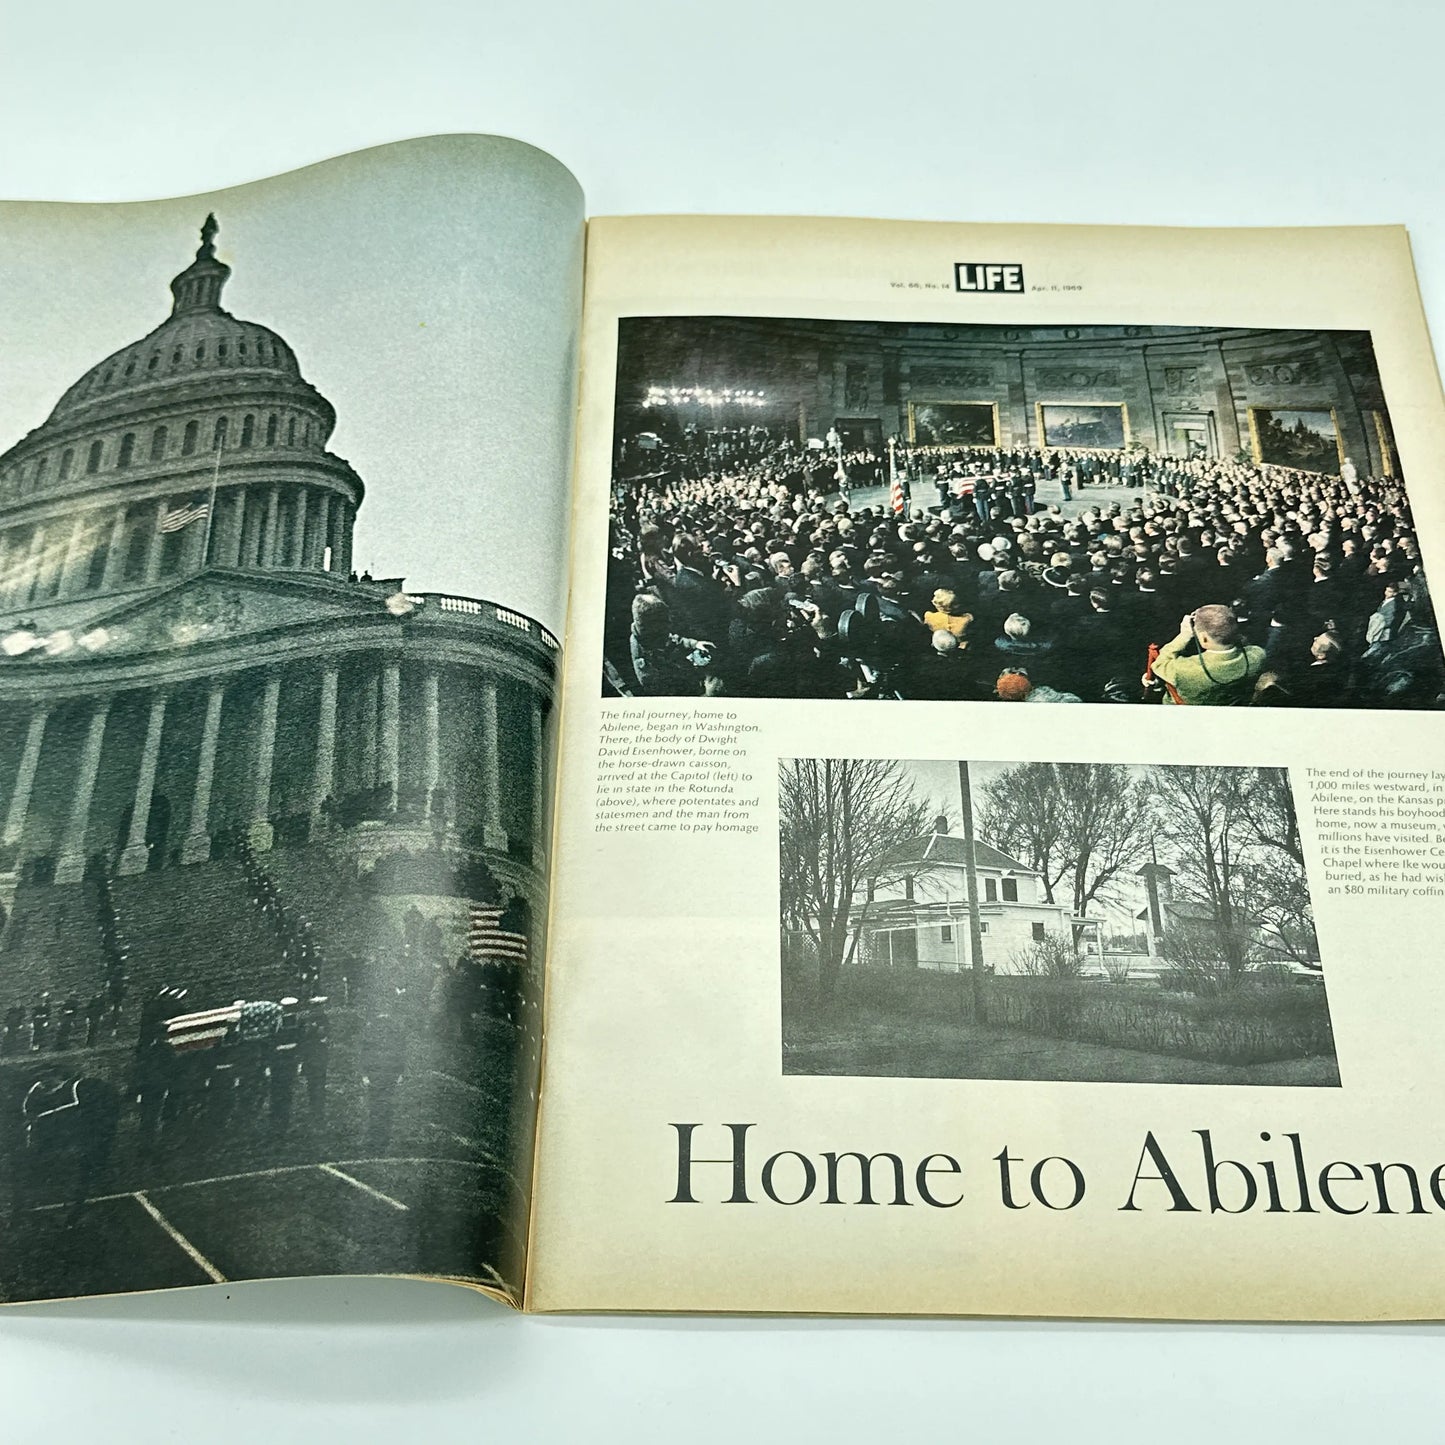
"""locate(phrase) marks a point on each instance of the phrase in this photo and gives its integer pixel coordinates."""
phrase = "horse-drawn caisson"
(248, 1055)
(59, 1123)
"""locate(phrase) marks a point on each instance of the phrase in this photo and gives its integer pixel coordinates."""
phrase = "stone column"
(540, 837)
(19, 572)
(28, 586)
(295, 548)
(1018, 418)
(493, 834)
(321, 778)
(230, 550)
(343, 539)
(76, 564)
(70, 866)
(194, 544)
(269, 528)
(366, 714)
(250, 529)
(1227, 417)
(153, 552)
(261, 833)
(197, 847)
(135, 856)
(115, 552)
(323, 531)
(432, 750)
(19, 807)
(389, 740)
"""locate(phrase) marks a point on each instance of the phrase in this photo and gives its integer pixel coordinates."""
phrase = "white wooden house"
(917, 915)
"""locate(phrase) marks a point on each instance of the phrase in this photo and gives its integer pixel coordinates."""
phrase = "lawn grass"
(919, 1024)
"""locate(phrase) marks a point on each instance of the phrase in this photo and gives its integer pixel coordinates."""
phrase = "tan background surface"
(1249, 111)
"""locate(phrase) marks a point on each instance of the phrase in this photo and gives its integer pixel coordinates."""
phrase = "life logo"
(997, 276)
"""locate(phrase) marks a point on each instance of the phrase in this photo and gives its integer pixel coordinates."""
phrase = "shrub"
(1052, 956)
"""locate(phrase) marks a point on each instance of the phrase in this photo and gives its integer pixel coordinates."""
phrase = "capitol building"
(193, 677)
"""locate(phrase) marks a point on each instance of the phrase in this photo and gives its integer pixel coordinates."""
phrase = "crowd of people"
(1211, 581)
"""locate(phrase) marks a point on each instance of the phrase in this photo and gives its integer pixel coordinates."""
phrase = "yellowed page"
(665, 975)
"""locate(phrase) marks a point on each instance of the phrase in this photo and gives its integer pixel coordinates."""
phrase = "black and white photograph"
(1071, 922)
(1196, 515)
(274, 783)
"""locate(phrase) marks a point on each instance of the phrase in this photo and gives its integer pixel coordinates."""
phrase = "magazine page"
(283, 538)
(877, 986)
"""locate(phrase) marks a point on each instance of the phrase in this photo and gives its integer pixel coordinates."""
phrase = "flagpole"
(211, 505)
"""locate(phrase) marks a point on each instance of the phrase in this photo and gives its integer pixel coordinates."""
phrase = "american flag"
(490, 940)
(895, 496)
(203, 1030)
(183, 516)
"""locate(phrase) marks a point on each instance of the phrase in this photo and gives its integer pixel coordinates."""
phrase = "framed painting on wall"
(1085, 426)
(1287, 437)
(953, 423)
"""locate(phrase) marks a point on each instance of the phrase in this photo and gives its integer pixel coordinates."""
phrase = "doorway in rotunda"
(1190, 434)
(860, 434)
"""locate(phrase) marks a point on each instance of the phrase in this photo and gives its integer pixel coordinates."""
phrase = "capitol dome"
(208, 416)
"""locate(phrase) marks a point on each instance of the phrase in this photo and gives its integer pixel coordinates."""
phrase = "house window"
(1040, 933)
(67, 460)
(218, 436)
(946, 933)
(271, 430)
(983, 928)
(127, 449)
(158, 443)
(188, 441)
(248, 430)
(990, 890)
(92, 461)
(1010, 890)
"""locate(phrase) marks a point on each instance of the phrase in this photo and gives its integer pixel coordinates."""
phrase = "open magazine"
(511, 765)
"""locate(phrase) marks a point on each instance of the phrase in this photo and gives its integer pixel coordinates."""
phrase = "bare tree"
(1019, 812)
(843, 822)
(1235, 839)
(1279, 891)
(1079, 825)
(1202, 815)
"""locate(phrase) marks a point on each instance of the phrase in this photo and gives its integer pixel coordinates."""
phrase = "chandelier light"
(703, 396)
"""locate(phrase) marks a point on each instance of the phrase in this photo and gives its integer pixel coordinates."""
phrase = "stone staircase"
(198, 927)
(53, 943)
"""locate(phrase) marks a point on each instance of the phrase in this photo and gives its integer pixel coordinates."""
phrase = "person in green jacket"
(1206, 664)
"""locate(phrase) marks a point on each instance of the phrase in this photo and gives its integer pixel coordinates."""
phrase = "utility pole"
(975, 932)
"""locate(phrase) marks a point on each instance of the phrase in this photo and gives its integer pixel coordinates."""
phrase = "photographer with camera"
(1207, 665)
(664, 664)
